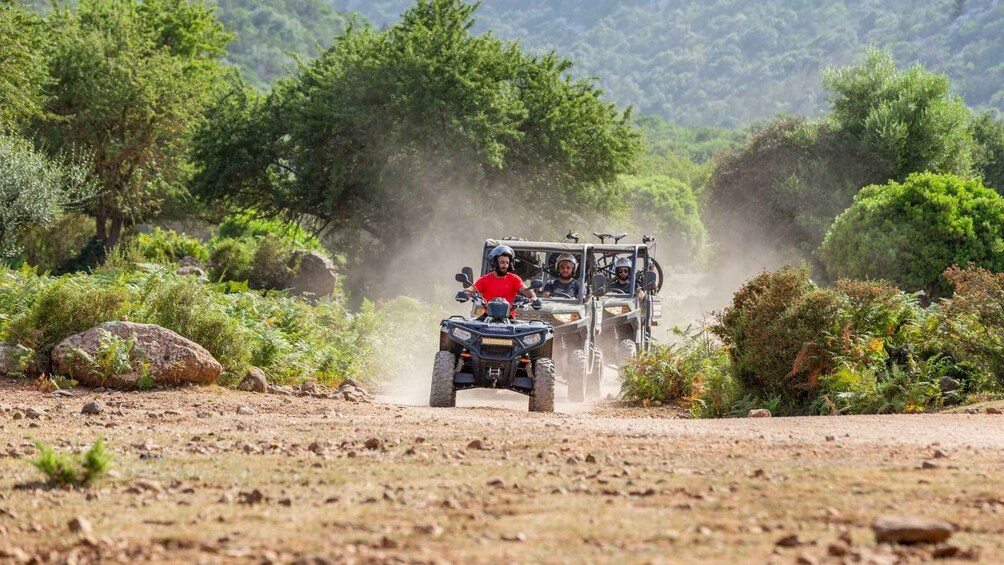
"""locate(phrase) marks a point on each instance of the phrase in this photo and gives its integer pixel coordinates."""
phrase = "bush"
(772, 331)
(49, 247)
(64, 471)
(973, 319)
(167, 246)
(245, 225)
(910, 233)
(230, 259)
(269, 268)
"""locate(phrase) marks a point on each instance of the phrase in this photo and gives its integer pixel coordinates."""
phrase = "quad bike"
(494, 351)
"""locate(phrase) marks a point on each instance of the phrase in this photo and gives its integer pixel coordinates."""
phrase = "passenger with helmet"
(501, 282)
(622, 280)
(566, 283)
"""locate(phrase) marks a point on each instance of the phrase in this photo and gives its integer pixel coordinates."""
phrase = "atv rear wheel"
(577, 376)
(626, 351)
(595, 376)
(542, 397)
(443, 394)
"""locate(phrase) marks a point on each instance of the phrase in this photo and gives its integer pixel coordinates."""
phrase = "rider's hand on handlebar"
(462, 296)
(537, 304)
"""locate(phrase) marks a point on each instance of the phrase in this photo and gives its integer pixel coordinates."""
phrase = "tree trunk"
(100, 221)
(115, 233)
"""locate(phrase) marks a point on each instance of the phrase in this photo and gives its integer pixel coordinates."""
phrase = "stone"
(790, 540)
(903, 529)
(93, 407)
(244, 410)
(948, 384)
(255, 381)
(80, 526)
(191, 271)
(15, 359)
(34, 413)
(993, 410)
(476, 444)
(313, 274)
(373, 443)
(759, 413)
(169, 358)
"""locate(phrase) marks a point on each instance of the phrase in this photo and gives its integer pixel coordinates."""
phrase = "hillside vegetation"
(729, 63)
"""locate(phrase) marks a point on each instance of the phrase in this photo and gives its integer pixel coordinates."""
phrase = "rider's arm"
(528, 292)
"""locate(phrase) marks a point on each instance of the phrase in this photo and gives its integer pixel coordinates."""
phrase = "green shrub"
(62, 470)
(245, 225)
(48, 247)
(884, 390)
(772, 331)
(269, 268)
(167, 246)
(230, 259)
(972, 321)
(65, 306)
(910, 233)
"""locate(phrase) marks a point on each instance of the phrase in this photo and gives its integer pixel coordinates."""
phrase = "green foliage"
(385, 126)
(910, 119)
(988, 131)
(269, 35)
(910, 233)
(230, 259)
(23, 72)
(884, 390)
(63, 470)
(130, 80)
(269, 266)
(770, 328)
(48, 247)
(248, 225)
(972, 320)
(59, 308)
(33, 190)
(667, 208)
(729, 63)
(167, 246)
(783, 188)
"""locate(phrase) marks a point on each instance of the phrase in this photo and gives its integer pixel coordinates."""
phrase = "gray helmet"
(567, 257)
(622, 262)
(493, 256)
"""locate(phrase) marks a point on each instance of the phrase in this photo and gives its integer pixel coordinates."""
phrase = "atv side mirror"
(463, 279)
(537, 284)
(650, 281)
(469, 272)
(599, 284)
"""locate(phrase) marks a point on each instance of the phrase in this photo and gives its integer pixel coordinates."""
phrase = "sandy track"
(605, 484)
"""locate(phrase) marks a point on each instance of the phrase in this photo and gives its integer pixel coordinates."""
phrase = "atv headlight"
(531, 340)
(617, 310)
(462, 334)
(567, 318)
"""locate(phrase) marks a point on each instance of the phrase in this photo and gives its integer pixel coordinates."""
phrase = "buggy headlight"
(462, 334)
(617, 310)
(567, 318)
(531, 340)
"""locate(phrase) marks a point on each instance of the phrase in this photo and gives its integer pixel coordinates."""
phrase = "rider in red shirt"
(501, 282)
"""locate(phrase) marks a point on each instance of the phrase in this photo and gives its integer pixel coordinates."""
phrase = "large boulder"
(15, 359)
(313, 273)
(158, 356)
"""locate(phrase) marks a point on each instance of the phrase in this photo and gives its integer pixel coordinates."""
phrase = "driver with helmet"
(622, 280)
(501, 282)
(565, 284)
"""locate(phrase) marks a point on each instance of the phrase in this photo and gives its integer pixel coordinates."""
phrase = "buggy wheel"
(442, 394)
(576, 376)
(542, 397)
(626, 351)
(595, 375)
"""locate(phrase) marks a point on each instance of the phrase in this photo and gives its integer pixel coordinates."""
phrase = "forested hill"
(729, 62)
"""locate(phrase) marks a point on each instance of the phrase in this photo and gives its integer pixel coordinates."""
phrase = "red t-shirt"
(492, 286)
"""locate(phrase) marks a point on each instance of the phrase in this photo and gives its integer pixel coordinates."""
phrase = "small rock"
(147, 485)
(945, 551)
(901, 529)
(519, 537)
(373, 443)
(831, 437)
(929, 465)
(80, 526)
(245, 410)
(590, 458)
(837, 549)
(93, 407)
(993, 411)
(788, 541)
(250, 498)
(476, 444)
(806, 559)
(34, 413)
(495, 483)
(203, 415)
(940, 454)
(759, 413)
(255, 381)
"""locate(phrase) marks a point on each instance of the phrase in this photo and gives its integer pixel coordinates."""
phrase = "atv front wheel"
(626, 351)
(577, 376)
(542, 397)
(443, 394)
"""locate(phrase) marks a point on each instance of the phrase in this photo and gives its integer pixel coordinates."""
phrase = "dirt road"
(319, 480)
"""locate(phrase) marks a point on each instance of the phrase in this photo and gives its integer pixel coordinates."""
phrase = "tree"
(23, 70)
(667, 208)
(130, 81)
(909, 233)
(33, 190)
(911, 119)
(989, 133)
(388, 135)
